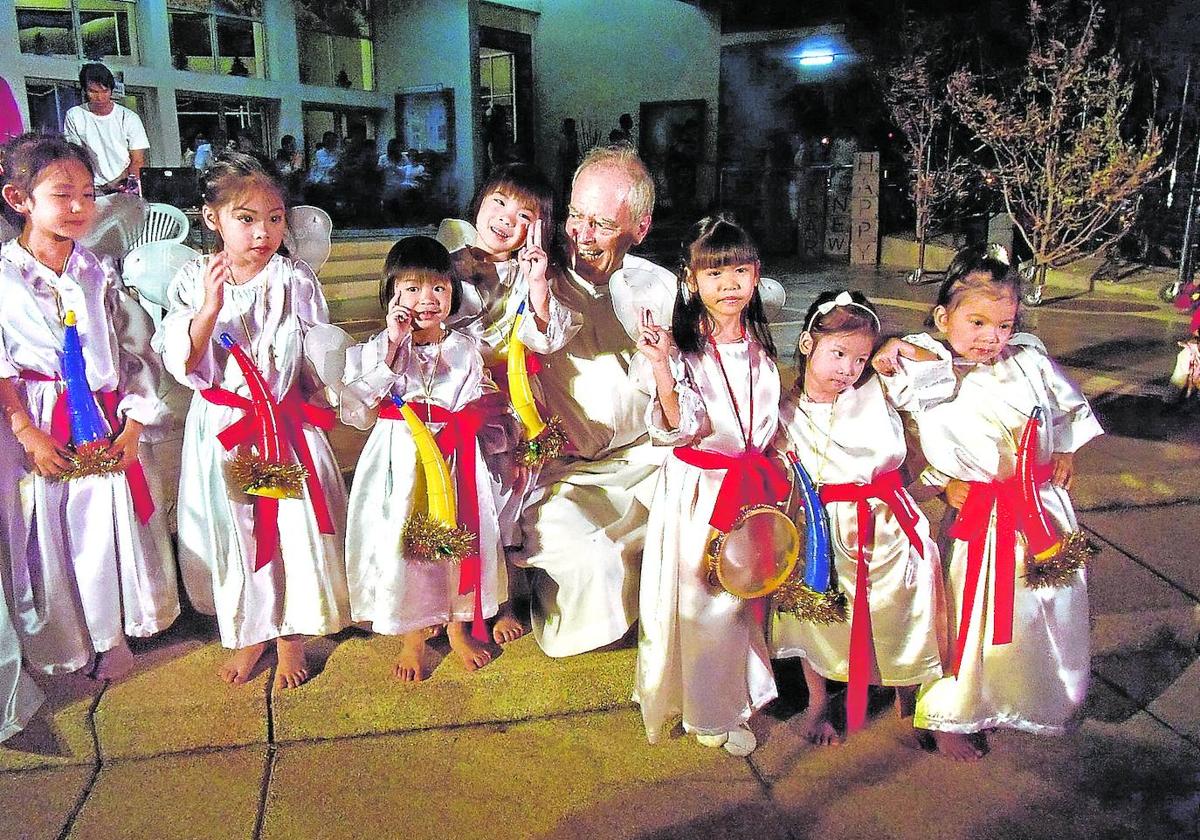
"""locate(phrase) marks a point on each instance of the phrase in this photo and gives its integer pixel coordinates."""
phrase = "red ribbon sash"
(972, 527)
(60, 430)
(751, 478)
(293, 414)
(889, 489)
(459, 436)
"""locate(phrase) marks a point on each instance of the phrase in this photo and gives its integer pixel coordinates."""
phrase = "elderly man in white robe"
(585, 523)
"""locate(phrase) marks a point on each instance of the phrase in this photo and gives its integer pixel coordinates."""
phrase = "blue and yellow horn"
(815, 597)
(89, 435)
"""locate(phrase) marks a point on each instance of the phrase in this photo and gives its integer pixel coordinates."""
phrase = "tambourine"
(756, 555)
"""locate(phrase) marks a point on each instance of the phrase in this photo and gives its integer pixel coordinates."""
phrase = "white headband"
(842, 299)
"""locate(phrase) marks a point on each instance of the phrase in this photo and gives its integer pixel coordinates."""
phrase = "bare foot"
(292, 668)
(959, 747)
(507, 627)
(816, 727)
(237, 669)
(113, 664)
(413, 663)
(474, 653)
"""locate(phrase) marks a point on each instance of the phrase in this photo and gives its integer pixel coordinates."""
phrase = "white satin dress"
(854, 440)
(702, 654)
(80, 569)
(303, 589)
(498, 290)
(1038, 681)
(396, 594)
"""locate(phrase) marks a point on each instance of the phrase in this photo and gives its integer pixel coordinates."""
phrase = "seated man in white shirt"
(585, 524)
(113, 135)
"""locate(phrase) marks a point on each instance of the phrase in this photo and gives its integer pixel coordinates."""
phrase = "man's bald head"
(624, 159)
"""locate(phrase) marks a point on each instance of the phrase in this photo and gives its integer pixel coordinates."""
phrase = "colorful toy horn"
(814, 598)
(1050, 561)
(433, 535)
(89, 435)
(263, 473)
(543, 439)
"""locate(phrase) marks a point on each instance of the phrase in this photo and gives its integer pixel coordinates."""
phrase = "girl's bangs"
(706, 255)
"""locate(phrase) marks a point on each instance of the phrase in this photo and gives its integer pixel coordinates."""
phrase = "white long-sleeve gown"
(854, 440)
(394, 593)
(585, 522)
(1038, 681)
(701, 651)
(81, 572)
(303, 589)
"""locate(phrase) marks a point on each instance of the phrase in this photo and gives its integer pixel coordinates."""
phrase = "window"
(498, 93)
(236, 118)
(218, 36)
(50, 99)
(95, 30)
(335, 43)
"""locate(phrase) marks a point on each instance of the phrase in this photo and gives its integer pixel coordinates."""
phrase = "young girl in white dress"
(440, 374)
(506, 266)
(269, 569)
(87, 561)
(715, 389)
(846, 432)
(1019, 644)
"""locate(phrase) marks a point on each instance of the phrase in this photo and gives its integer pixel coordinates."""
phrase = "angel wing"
(325, 345)
(119, 219)
(309, 235)
(149, 270)
(455, 234)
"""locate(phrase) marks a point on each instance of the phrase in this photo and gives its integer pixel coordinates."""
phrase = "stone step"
(353, 268)
(352, 249)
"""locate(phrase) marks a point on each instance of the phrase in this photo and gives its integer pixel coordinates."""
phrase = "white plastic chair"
(309, 235)
(164, 223)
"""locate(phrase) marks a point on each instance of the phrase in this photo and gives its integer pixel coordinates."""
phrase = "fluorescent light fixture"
(816, 59)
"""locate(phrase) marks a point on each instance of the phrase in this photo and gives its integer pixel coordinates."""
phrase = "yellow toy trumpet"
(544, 439)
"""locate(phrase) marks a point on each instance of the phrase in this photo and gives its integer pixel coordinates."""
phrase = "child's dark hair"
(979, 267)
(414, 256)
(715, 242)
(527, 183)
(97, 74)
(231, 176)
(857, 316)
(23, 158)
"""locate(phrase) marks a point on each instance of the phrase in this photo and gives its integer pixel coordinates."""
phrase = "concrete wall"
(157, 75)
(594, 61)
(433, 44)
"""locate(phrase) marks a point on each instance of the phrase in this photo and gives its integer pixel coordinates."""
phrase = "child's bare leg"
(959, 747)
(814, 724)
(906, 700)
(113, 664)
(507, 627)
(237, 669)
(474, 653)
(292, 668)
(412, 664)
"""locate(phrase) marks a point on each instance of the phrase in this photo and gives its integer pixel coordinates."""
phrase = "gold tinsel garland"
(91, 459)
(550, 444)
(1060, 569)
(260, 477)
(426, 540)
(807, 604)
